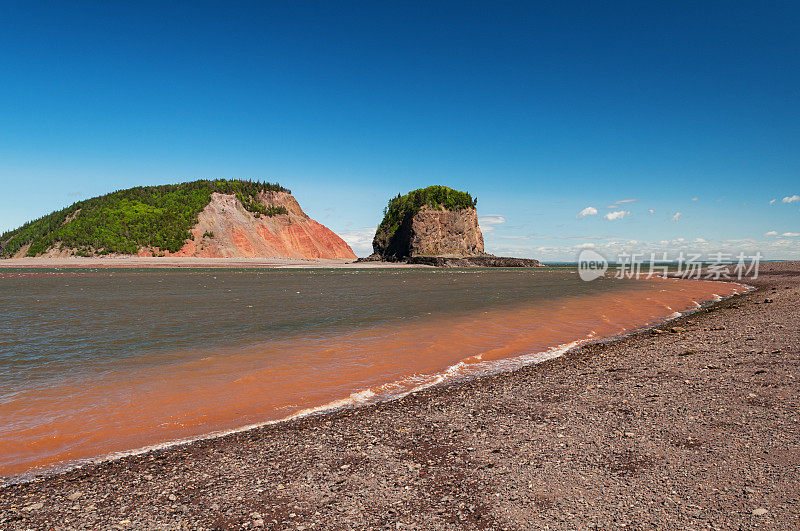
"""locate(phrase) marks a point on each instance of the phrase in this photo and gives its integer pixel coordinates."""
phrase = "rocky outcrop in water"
(436, 226)
(433, 232)
(484, 260)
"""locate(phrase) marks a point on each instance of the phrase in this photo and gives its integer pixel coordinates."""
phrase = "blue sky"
(540, 110)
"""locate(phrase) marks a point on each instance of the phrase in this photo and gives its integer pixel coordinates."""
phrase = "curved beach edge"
(703, 416)
(366, 397)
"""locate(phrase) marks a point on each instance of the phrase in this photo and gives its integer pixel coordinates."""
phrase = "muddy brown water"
(97, 363)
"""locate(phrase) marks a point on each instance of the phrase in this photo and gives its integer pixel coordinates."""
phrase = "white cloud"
(619, 214)
(621, 202)
(676, 216)
(772, 201)
(488, 222)
(651, 210)
(360, 240)
(772, 248)
(694, 199)
(791, 234)
(588, 211)
(771, 233)
(586, 246)
(791, 198)
(700, 240)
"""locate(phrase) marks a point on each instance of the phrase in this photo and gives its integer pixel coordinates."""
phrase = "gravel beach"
(695, 425)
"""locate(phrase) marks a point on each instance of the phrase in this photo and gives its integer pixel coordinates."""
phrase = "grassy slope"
(127, 220)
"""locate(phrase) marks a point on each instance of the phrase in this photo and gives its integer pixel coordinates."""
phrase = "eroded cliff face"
(433, 232)
(225, 229)
(445, 233)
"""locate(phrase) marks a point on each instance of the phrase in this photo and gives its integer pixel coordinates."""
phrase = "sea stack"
(438, 226)
(433, 221)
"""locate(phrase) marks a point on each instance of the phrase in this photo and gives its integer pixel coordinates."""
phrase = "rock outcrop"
(484, 260)
(226, 230)
(445, 233)
(433, 232)
(436, 226)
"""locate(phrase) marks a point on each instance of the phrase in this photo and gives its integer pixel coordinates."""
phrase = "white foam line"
(358, 398)
(363, 397)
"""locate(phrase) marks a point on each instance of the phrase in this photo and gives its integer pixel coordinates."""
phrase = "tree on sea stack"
(432, 221)
(436, 226)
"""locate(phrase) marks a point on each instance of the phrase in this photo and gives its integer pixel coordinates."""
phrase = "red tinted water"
(131, 408)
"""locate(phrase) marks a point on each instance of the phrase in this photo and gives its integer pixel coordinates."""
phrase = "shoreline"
(365, 396)
(169, 262)
(277, 446)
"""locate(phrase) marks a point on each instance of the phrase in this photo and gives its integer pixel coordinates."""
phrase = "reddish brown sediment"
(225, 389)
(189, 262)
(225, 229)
(693, 429)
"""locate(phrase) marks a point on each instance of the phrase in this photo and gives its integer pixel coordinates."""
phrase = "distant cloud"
(619, 214)
(360, 240)
(791, 234)
(771, 233)
(621, 202)
(773, 248)
(588, 211)
(676, 216)
(586, 246)
(694, 199)
(488, 222)
(791, 198)
(700, 240)
(651, 210)
(772, 201)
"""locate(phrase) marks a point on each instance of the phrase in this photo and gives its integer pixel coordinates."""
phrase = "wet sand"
(696, 428)
(190, 262)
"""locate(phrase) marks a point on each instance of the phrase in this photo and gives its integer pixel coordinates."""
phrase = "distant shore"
(693, 426)
(189, 262)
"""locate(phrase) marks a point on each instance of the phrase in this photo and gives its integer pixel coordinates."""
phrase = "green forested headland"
(127, 220)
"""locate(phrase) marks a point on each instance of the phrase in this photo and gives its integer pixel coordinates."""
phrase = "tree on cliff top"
(125, 221)
(404, 207)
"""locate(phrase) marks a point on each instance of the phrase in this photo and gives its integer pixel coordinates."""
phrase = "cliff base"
(482, 260)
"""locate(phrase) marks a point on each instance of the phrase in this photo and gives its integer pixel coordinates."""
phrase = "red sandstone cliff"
(225, 229)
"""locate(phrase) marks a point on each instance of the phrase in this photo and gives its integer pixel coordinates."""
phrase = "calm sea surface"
(94, 362)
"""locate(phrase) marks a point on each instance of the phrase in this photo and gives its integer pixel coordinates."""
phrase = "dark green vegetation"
(125, 221)
(402, 208)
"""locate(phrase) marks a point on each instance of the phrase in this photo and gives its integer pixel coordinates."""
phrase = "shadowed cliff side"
(436, 226)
